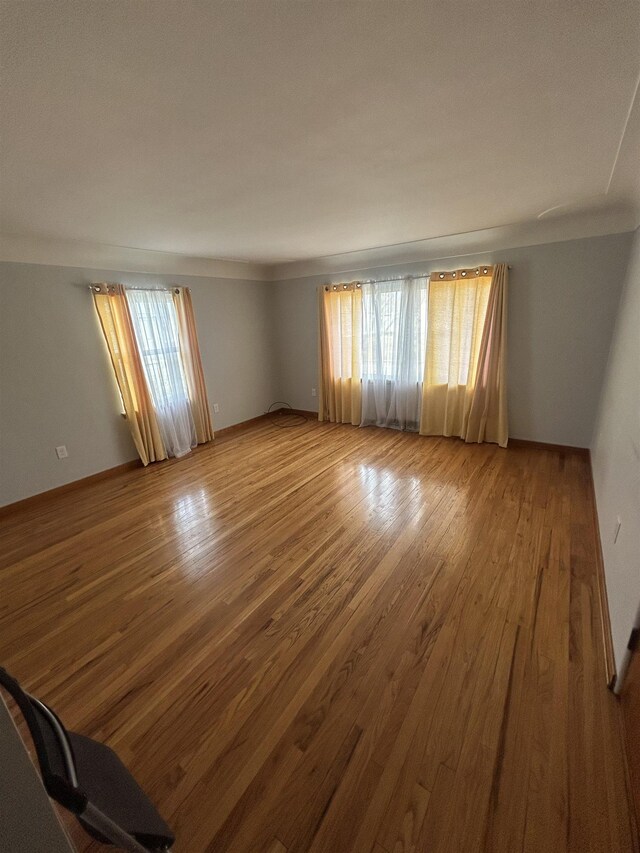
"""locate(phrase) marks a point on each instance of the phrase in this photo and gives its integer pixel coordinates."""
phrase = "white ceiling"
(283, 130)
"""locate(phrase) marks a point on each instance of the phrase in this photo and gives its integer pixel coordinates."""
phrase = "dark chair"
(88, 779)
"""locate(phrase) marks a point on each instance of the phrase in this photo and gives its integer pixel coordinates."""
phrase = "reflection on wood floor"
(332, 639)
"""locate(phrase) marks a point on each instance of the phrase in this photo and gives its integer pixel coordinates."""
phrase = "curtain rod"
(96, 288)
(402, 277)
(397, 277)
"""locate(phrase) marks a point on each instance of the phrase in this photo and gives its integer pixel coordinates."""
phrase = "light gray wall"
(57, 385)
(562, 306)
(616, 462)
(259, 344)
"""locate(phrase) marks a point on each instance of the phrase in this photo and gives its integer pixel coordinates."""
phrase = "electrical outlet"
(617, 530)
(313, 392)
(216, 408)
(61, 452)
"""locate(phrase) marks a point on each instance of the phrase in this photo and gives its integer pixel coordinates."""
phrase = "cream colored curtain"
(487, 419)
(464, 390)
(340, 312)
(115, 318)
(192, 364)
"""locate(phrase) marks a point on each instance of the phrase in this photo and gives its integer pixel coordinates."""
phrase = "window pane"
(394, 330)
(156, 328)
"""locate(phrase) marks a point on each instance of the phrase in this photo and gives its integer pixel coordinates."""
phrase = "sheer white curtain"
(156, 329)
(394, 336)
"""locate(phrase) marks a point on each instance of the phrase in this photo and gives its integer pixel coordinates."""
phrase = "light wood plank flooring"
(330, 639)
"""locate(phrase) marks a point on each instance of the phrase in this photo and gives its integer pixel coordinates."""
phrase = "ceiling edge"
(68, 253)
(555, 229)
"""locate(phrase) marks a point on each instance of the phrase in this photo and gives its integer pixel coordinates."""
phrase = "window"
(456, 315)
(394, 330)
(153, 343)
(428, 352)
(394, 335)
(155, 324)
(156, 328)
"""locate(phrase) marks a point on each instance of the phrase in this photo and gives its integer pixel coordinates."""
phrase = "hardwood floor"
(330, 639)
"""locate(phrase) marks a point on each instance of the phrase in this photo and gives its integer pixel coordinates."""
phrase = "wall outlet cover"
(61, 452)
(216, 408)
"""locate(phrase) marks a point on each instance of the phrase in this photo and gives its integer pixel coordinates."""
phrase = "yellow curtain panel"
(113, 310)
(192, 364)
(340, 313)
(464, 389)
